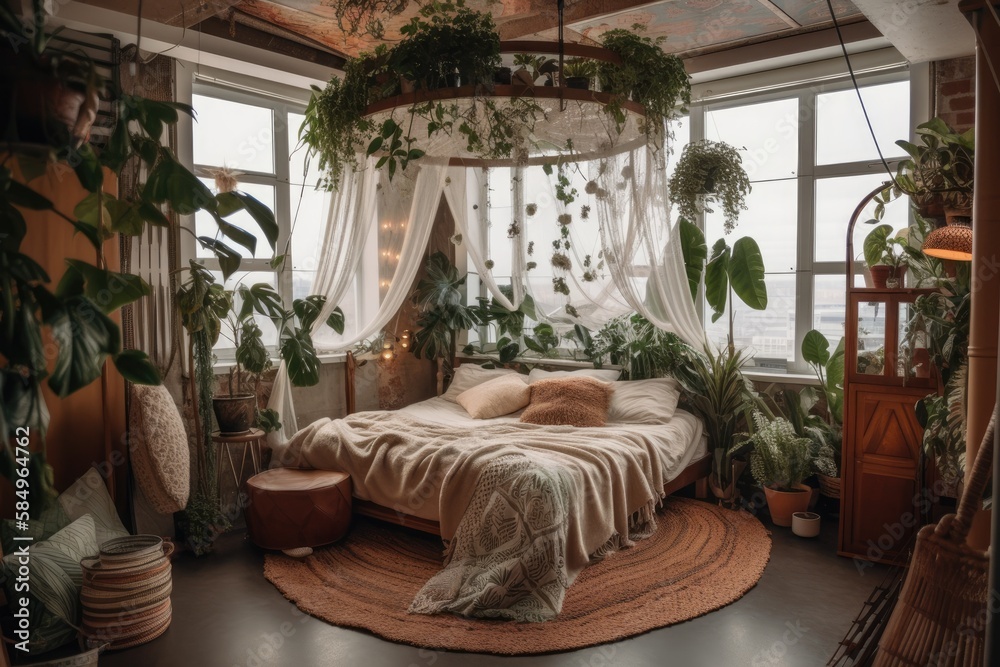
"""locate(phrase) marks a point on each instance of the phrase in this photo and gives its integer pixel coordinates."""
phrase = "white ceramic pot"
(805, 524)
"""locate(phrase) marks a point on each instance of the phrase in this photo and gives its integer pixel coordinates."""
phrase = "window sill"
(223, 366)
(782, 378)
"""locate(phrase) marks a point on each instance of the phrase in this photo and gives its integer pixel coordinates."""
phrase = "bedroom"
(495, 332)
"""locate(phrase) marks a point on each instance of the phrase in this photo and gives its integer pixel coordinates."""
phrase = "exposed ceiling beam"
(922, 30)
(780, 13)
(246, 30)
(180, 13)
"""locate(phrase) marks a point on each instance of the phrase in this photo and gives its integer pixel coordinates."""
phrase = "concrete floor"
(226, 614)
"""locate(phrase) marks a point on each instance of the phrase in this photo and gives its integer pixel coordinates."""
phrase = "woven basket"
(126, 591)
(829, 486)
(941, 613)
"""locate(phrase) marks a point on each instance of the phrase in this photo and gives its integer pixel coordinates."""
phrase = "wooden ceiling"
(691, 27)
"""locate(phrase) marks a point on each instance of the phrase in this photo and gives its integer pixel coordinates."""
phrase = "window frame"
(807, 175)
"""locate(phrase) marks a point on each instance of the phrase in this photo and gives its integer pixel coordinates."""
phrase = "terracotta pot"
(730, 493)
(950, 214)
(42, 104)
(406, 86)
(783, 504)
(879, 275)
(235, 414)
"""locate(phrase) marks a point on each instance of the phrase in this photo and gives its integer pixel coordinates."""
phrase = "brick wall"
(955, 92)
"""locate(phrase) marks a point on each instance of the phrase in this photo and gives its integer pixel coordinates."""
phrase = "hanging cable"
(857, 90)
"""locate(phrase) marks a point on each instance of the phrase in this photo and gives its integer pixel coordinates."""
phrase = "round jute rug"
(701, 558)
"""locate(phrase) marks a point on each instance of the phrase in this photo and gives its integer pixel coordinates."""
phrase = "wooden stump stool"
(290, 508)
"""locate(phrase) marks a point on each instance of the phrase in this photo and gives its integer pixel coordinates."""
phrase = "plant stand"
(252, 445)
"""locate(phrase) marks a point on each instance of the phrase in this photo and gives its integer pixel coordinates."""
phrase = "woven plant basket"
(829, 486)
(940, 617)
(126, 591)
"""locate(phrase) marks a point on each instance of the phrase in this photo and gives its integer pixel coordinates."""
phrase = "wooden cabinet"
(882, 468)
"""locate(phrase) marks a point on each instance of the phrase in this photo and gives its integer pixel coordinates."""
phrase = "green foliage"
(583, 68)
(716, 391)
(881, 249)
(708, 172)
(647, 75)
(641, 349)
(780, 459)
(439, 302)
(695, 252)
(940, 170)
(829, 369)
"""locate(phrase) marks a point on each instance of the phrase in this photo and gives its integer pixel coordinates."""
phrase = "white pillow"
(468, 376)
(644, 401)
(497, 397)
(604, 375)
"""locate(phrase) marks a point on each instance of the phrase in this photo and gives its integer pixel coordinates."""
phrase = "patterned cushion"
(603, 374)
(468, 376)
(89, 495)
(159, 448)
(644, 401)
(573, 401)
(499, 396)
(56, 579)
(51, 521)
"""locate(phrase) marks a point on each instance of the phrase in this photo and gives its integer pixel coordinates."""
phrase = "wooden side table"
(252, 446)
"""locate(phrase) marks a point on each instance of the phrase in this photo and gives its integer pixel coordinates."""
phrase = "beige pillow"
(468, 376)
(603, 374)
(573, 401)
(89, 495)
(159, 448)
(644, 401)
(494, 398)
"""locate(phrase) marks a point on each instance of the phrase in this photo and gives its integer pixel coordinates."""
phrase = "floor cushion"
(291, 508)
(158, 446)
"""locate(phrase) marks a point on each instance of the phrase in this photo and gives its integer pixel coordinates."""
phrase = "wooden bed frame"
(696, 472)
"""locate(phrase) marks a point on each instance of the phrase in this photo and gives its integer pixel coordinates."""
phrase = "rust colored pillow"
(572, 401)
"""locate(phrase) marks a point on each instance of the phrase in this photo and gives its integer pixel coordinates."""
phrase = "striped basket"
(829, 486)
(126, 591)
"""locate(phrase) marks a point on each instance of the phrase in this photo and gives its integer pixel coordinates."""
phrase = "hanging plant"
(647, 75)
(531, 209)
(562, 261)
(707, 172)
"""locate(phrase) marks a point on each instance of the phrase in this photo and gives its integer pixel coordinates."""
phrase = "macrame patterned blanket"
(523, 508)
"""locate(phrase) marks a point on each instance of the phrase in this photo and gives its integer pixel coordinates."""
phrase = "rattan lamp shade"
(953, 241)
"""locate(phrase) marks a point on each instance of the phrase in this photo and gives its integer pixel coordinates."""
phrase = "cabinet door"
(884, 492)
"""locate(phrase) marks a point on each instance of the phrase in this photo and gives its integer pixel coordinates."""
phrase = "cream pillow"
(494, 398)
(468, 376)
(89, 495)
(602, 374)
(159, 447)
(644, 401)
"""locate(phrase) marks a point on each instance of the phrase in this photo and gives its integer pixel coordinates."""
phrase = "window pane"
(297, 155)
(766, 135)
(230, 134)
(268, 333)
(835, 202)
(205, 225)
(770, 218)
(309, 211)
(829, 299)
(769, 334)
(842, 135)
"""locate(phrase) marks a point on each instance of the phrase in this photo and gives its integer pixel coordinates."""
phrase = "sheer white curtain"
(363, 201)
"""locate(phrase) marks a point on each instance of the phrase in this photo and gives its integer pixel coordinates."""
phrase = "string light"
(388, 353)
(404, 339)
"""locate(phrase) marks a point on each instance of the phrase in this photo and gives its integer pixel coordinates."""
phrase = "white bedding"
(678, 442)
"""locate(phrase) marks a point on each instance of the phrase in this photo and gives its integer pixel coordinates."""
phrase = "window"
(811, 159)
(257, 136)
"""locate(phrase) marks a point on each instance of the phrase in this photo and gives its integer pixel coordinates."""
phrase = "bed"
(521, 508)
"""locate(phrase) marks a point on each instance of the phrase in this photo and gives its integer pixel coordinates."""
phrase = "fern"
(780, 459)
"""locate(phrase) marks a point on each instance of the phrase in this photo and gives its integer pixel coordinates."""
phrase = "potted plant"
(641, 349)
(780, 461)
(239, 408)
(531, 68)
(50, 95)
(441, 311)
(716, 390)
(939, 173)
(448, 44)
(578, 72)
(708, 172)
(886, 257)
(646, 75)
(826, 434)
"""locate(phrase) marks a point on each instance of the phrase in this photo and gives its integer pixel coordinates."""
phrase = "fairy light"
(404, 339)
(388, 353)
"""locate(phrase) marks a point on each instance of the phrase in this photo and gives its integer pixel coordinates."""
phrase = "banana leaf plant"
(730, 270)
